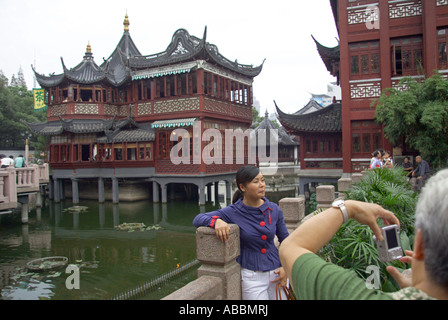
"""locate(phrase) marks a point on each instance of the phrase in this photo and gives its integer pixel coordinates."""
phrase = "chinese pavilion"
(380, 42)
(286, 145)
(319, 130)
(116, 120)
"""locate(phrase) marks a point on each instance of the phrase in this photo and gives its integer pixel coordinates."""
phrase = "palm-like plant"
(390, 189)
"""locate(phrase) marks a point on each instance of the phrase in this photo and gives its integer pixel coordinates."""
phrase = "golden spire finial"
(89, 48)
(126, 22)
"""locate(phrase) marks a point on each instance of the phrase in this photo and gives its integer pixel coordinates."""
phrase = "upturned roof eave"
(329, 120)
(196, 49)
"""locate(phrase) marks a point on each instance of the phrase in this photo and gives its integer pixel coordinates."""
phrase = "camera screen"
(391, 237)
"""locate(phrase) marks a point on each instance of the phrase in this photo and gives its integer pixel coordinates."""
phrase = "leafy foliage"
(16, 104)
(257, 119)
(419, 114)
(390, 189)
(312, 203)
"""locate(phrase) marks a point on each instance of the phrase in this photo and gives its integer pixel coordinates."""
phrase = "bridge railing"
(27, 179)
(44, 173)
(8, 189)
(14, 181)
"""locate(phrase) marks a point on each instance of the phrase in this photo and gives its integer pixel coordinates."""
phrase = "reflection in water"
(110, 261)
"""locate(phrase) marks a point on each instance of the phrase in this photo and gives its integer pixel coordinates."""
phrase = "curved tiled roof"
(131, 135)
(328, 120)
(74, 126)
(87, 72)
(126, 58)
(126, 130)
(185, 47)
(330, 57)
(113, 71)
(283, 137)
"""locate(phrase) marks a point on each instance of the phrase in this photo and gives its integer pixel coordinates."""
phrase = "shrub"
(390, 189)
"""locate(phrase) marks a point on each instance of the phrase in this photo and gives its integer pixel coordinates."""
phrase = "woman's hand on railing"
(222, 230)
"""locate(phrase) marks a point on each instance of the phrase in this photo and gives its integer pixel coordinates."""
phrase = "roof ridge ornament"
(126, 22)
(204, 37)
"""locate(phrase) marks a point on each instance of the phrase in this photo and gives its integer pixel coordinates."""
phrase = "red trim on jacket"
(212, 224)
(268, 210)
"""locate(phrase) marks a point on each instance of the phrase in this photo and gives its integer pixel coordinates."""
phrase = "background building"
(113, 122)
(380, 43)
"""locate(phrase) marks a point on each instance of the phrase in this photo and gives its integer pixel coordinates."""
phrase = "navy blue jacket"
(258, 228)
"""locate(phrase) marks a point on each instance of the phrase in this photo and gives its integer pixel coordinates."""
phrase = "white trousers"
(257, 285)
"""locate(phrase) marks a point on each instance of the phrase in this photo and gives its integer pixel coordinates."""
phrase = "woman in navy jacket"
(260, 221)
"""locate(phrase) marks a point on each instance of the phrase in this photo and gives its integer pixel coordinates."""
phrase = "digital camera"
(390, 248)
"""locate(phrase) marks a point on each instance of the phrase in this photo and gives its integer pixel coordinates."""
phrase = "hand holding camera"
(389, 249)
(404, 279)
(369, 213)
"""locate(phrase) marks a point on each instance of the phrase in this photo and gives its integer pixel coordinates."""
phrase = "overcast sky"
(41, 32)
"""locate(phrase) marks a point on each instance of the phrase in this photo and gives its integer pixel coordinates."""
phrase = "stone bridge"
(16, 184)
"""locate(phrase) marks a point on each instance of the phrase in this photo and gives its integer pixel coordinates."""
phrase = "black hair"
(375, 154)
(244, 175)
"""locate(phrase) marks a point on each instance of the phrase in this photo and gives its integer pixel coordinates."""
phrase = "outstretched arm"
(319, 230)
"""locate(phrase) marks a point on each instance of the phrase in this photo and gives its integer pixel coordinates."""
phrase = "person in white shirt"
(376, 161)
(387, 160)
(5, 161)
(10, 161)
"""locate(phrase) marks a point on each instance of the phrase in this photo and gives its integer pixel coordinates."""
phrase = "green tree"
(256, 119)
(419, 115)
(17, 104)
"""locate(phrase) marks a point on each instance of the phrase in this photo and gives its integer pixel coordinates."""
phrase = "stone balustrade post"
(219, 259)
(357, 177)
(44, 173)
(293, 212)
(10, 187)
(343, 185)
(325, 196)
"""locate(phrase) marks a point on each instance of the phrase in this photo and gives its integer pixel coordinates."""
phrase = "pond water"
(110, 261)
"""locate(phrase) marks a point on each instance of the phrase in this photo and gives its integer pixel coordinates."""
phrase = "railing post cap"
(210, 250)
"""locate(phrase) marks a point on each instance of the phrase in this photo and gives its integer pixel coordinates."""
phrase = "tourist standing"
(3, 161)
(387, 160)
(407, 166)
(10, 161)
(6, 162)
(376, 161)
(259, 221)
(19, 162)
(421, 173)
